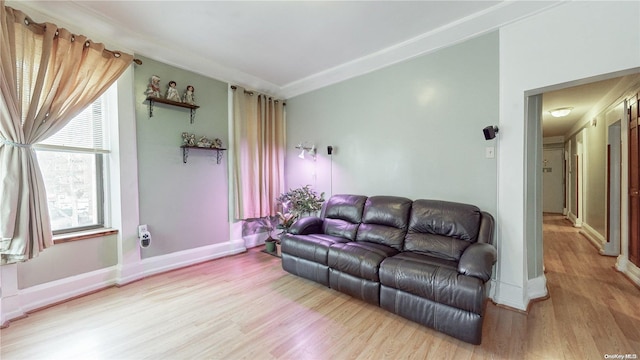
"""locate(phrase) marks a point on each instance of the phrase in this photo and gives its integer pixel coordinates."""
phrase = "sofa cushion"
(313, 247)
(342, 215)
(440, 228)
(360, 259)
(385, 220)
(434, 279)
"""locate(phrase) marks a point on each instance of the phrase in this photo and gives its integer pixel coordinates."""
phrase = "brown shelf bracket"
(185, 152)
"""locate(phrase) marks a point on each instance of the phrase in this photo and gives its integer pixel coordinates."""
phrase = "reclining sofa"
(426, 260)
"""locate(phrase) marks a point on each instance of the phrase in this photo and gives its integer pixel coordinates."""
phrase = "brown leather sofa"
(426, 260)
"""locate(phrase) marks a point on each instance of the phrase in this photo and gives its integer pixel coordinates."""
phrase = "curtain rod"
(43, 26)
(250, 93)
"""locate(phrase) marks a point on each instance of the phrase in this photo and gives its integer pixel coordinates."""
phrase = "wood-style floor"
(247, 307)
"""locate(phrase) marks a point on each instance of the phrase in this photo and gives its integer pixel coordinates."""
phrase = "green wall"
(413, 129)
(184, 205)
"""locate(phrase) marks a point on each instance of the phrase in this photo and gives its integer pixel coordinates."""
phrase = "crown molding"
(453, 33)
(478, 24)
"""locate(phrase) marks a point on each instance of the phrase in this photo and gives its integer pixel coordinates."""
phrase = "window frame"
(101, 170)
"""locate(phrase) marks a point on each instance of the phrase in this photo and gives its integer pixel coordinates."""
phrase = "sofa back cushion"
(441, 228)
(342, 215)
(385, 220)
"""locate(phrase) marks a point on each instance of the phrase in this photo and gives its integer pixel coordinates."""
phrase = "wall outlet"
(141, 229)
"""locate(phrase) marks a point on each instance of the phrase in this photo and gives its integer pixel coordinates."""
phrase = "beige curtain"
(47, 76)
(259, 148)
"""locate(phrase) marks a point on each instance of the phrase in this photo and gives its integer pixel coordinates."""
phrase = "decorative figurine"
(154, 87)
(204, 142)
(192, 140)
(189, 97)
(185, 138)
(217, 144)
(172, 92)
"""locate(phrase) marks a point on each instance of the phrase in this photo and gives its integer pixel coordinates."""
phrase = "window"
(72, 162)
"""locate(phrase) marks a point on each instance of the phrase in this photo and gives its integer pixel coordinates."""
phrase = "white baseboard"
(177, 260)
(633, 272)
(629, 269)
(593, 236)
(56, 291)
(574, 220)
(510, 295)
(39, 296)
(537, 288)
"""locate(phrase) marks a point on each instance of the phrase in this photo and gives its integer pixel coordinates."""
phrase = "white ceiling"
(583, 99)
(284, 48)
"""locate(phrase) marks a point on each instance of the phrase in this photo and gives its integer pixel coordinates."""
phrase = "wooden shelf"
(186, 148)
(152, 100)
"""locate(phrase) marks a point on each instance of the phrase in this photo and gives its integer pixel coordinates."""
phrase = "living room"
(410, 129)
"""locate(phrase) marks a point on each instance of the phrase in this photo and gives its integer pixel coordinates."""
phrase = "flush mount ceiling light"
(560, 112)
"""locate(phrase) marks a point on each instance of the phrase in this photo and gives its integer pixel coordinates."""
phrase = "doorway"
(582, 193)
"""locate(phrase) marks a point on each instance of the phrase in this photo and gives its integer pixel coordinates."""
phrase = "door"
(614, 181)
(634, 183)
(552, 181)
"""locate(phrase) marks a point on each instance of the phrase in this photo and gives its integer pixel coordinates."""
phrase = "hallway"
(596, 309)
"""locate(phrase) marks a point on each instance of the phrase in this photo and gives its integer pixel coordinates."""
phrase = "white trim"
(510, 295)
(594, 237)
(35, 297)
(451, 34)
(56, 291)
(574, 220)
(629, 269)
(159, 264)
(537, 287)
(71, 149)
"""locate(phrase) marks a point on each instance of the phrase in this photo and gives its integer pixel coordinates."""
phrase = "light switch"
(490, 152)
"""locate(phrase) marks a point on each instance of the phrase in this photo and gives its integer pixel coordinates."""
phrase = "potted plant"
(296, 203)
(270, 242)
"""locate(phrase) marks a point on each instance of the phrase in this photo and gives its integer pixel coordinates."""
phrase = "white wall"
(573, 41)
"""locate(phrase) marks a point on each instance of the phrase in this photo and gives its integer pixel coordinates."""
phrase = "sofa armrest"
(306, 225)
(477, 260)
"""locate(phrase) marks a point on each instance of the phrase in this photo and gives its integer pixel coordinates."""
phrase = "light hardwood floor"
(247, 307)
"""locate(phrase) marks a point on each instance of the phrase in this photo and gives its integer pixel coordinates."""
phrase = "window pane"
(83, 131)
(72, 188)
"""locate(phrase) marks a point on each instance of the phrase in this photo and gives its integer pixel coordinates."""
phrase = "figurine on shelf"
(185, 138)
(192, 140)
(217, 144)
(204, 142)
(189, 97)
(154, 87)
(172, 92)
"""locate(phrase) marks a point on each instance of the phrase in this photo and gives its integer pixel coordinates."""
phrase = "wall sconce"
(490, 132)
(310, 150)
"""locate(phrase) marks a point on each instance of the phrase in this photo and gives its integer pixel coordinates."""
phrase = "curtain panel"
(259, 150)
(47, 76)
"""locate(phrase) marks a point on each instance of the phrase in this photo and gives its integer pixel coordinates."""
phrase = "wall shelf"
(186, 148)
(152, 100)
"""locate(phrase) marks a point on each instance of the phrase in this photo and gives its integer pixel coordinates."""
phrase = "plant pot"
(270, 246)
(278, 249)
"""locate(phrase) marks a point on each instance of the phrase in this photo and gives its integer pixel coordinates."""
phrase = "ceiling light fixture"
(561, 112)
